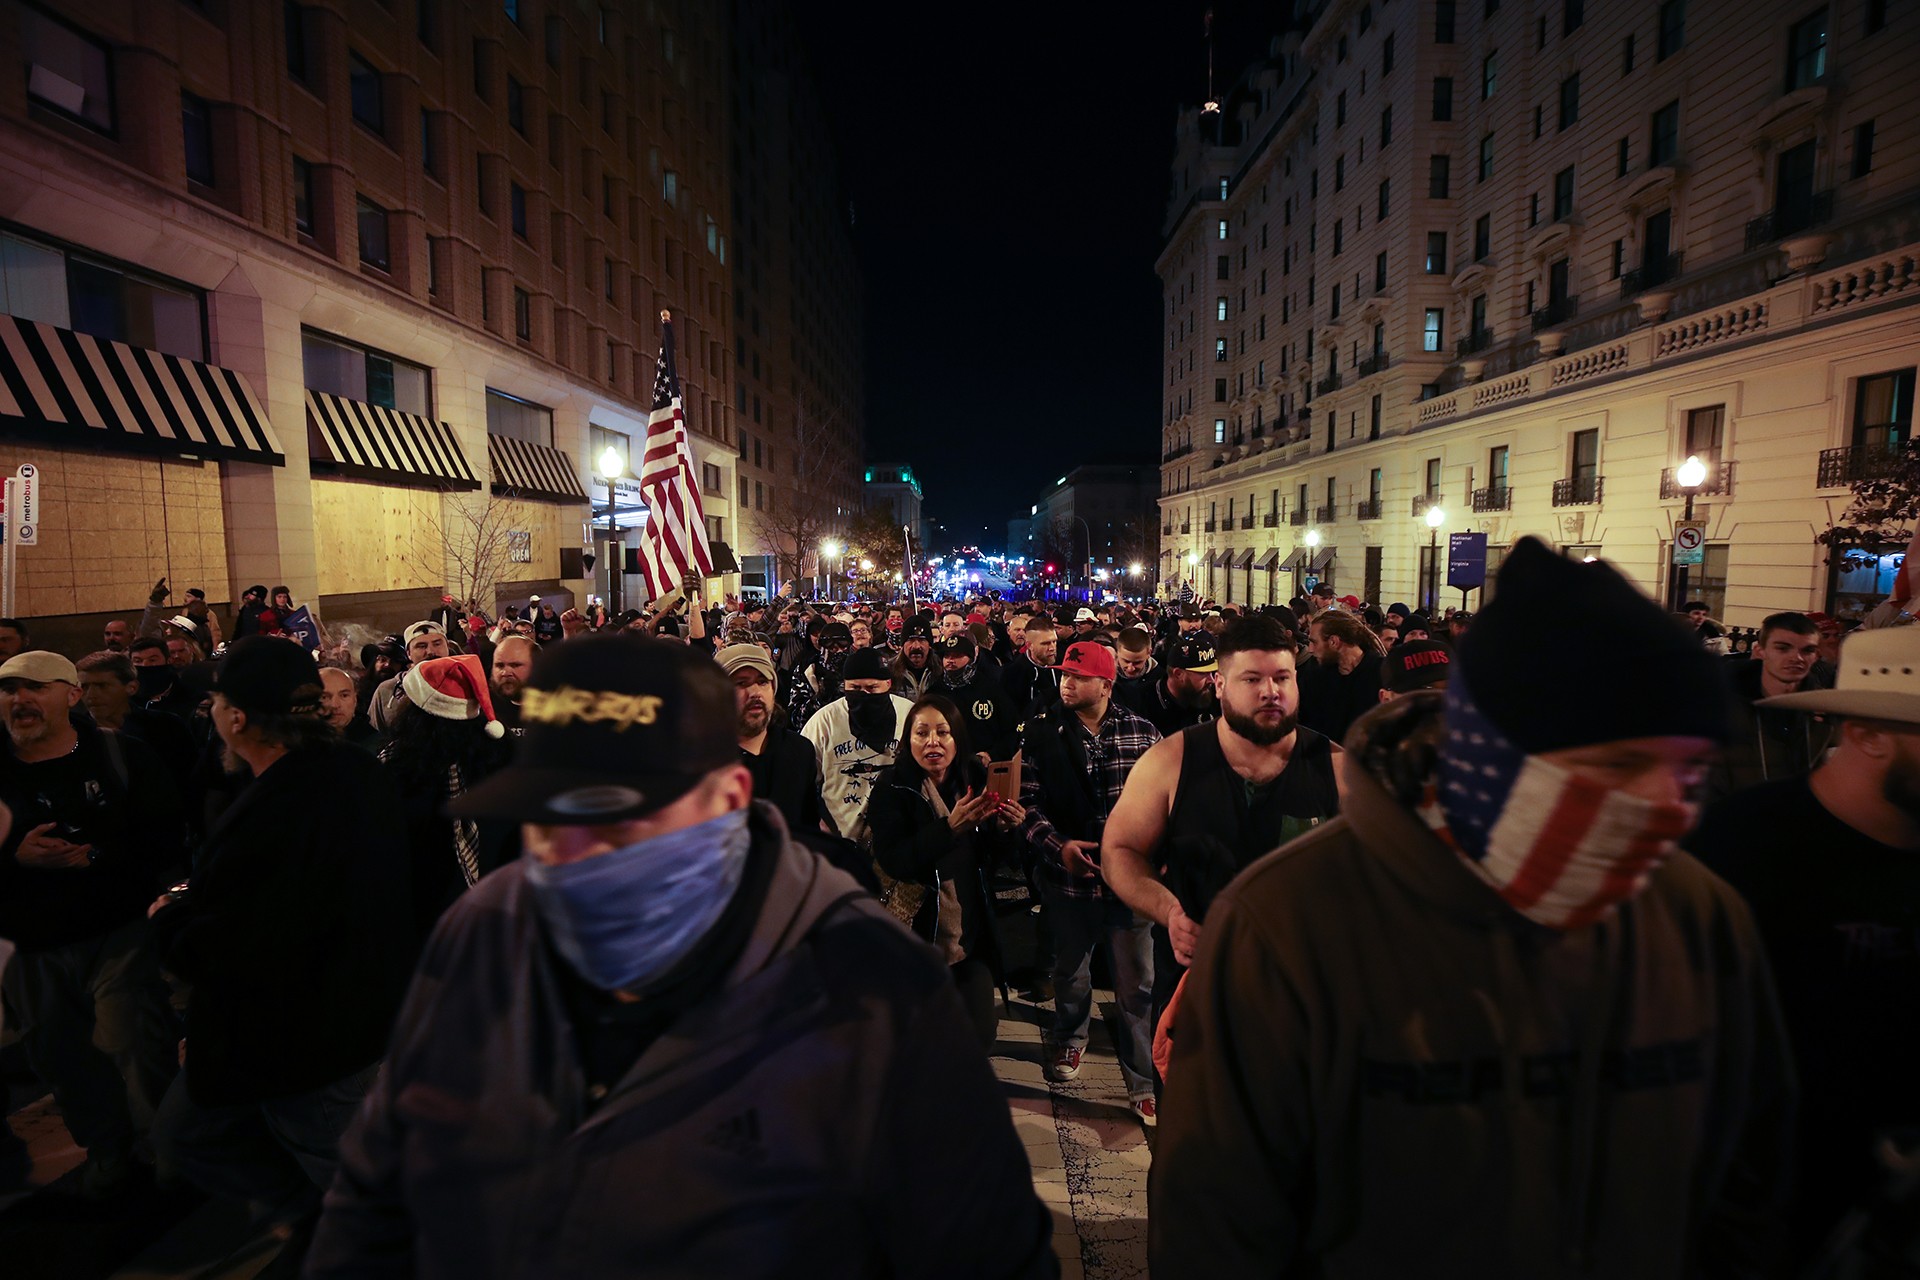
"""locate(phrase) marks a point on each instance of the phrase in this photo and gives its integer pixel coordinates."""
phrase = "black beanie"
(868, 664)
(1570, 654)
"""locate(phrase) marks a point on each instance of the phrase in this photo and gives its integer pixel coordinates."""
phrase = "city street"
(1089, 1158)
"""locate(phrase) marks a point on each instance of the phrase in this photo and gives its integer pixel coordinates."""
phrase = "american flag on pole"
(673, 546)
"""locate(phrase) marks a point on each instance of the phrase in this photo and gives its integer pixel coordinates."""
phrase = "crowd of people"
(550, 942)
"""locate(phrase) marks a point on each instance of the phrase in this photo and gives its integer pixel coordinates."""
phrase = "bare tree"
(474, 535)
(816, 503)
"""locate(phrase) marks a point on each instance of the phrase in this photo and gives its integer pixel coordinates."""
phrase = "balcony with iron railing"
(1305, 414)
(1271, 520)
(1719, 481)
(1556, 312)
(1790, 219)
(1297, 518)
(1373, 364)
(1329, 383)
(1211, 526)
(1577, 491)
(1187, 527)
(1325, 515)
(1246, 521)
(1841, 467)
(1425, 503)
(1476, 340)
(1495, 497)
(1368, 510)
(1180, 452)
(1166, 530)
(1650, 274)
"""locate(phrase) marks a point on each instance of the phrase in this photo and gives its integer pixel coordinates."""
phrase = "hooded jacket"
(1429, 1084)
(822, 1113)
(1767, 744)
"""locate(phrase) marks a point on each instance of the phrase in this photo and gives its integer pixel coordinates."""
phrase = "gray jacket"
(825, 1113)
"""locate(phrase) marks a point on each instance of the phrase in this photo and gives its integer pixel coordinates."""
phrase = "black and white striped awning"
(529, 470)
(72, 388)
(372, 442)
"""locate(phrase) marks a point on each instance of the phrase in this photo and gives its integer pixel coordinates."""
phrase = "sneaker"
(1065, 1065)
(1147, 1110)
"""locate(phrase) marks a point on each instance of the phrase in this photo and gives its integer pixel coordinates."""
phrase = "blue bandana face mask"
(624, 918)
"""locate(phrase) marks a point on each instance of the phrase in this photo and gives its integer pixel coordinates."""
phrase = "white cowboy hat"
(1879, 679)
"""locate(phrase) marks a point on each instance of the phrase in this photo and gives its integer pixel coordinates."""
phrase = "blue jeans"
(1080, 925)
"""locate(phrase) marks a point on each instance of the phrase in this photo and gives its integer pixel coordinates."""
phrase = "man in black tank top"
(1206, 802)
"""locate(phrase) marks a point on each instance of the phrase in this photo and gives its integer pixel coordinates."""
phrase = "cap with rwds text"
(1086, 658)
(269, 676)
(1193, 652)
(1415, 665)
(616, 727)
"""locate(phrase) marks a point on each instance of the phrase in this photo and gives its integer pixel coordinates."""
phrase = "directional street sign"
(1690, 542)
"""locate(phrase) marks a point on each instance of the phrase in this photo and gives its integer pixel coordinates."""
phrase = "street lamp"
(1691, 475)
(828, 550)
(611, 465)
(1435, 518)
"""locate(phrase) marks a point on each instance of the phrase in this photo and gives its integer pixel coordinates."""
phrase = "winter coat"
(1383, 1070)
(825, 1112)
(913, 843)
(295, 932)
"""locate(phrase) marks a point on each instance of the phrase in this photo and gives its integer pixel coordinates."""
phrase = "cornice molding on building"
(1551, 238)
(1472, 274)
(1650, 188)
(1787, 116)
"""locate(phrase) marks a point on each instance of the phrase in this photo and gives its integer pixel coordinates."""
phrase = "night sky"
(1009, 179)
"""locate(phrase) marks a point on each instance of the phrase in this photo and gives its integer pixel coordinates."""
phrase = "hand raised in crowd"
(971, 810)
(40, 848)
(1078, 856)
(1183, 931)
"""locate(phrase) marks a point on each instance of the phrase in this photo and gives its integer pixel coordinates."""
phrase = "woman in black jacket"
(925, 813)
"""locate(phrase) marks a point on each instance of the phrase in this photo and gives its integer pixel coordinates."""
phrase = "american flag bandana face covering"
(1562, 850)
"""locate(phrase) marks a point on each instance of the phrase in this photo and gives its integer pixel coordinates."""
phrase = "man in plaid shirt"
(1075, 762)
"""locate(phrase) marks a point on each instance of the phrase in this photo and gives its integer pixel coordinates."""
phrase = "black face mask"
(154, 681)
(872, 718)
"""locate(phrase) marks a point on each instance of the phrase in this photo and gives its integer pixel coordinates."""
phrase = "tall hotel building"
(310, 291)
(1519, 261)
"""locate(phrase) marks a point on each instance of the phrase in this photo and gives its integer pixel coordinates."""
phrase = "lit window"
(1432, 332)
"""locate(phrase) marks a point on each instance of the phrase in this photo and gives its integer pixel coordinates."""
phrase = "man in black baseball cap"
(296, 939)
(667, 964)
(1183, 694)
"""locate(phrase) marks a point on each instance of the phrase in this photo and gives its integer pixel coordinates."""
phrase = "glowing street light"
(1136, 568)
(1312, 538)
(1435, 518)
(1691, 475)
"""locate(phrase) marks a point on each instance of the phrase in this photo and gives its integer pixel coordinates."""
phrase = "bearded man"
(1205, 802)
(784, 768)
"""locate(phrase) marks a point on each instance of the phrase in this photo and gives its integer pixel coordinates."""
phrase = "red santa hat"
(454, 689)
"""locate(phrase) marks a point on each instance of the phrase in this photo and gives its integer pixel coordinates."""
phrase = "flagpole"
(906, 540)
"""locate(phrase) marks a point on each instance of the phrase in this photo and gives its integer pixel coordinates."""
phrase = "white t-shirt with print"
(847, 765)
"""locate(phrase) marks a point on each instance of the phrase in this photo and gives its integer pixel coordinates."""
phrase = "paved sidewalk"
(1089, 1154)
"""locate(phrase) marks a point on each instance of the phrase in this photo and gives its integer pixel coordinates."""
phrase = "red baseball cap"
(1088, 659)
